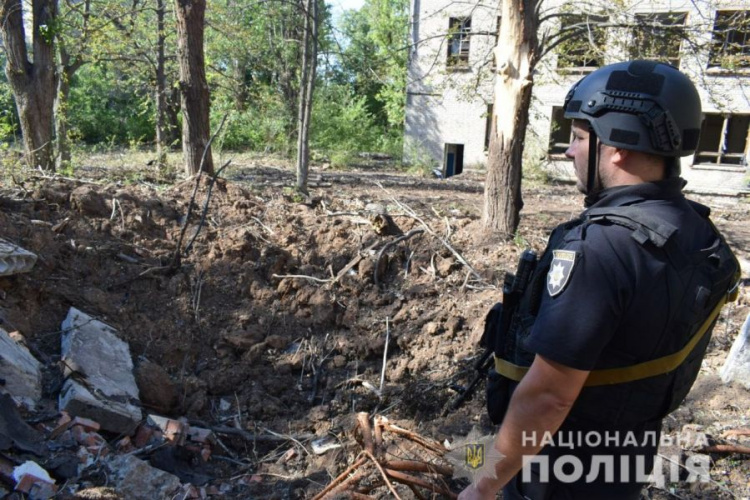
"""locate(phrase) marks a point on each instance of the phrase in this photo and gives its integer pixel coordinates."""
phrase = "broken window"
(659, 37)
(730, 48)
(560, 132)
(459, 29)
(723, 139)
(583, 43)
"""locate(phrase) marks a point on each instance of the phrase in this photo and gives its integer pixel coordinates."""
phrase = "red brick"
(86, 423)
(28, 481)
(79, 434)
(63, 424)
(143, 436)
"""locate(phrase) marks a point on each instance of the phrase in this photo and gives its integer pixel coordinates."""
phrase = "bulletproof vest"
(698, 283)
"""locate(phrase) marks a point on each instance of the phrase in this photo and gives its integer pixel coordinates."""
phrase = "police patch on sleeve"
(560, 270)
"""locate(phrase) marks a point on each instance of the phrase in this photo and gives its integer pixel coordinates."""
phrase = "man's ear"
(620, 156)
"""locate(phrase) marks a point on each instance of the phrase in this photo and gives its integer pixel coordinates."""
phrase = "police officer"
(609, 335)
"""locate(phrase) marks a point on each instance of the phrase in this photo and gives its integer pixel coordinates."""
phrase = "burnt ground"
(258, 328)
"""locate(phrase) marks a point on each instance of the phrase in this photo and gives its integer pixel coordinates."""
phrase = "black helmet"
(644, 106)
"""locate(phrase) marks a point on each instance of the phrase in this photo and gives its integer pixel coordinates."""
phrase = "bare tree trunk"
(33, 83)
(516, 56)
(306, 91)
(160, 96)
(61, 111)
(193, 86)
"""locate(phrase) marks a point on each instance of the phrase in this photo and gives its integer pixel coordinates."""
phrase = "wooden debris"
(422, 471)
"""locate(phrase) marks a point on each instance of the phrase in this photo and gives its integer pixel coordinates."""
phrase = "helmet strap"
(593, 167)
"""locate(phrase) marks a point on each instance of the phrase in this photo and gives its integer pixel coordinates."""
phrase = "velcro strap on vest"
(647, 369)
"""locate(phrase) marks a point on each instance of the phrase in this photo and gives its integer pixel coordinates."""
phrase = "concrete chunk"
(100, 385)
(135, 479)
(737, 366)
(14, 259)
(20, 371)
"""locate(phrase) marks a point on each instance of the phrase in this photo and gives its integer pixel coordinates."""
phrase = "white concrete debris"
(20, 372)
(100, 383)
(737, 366)
(14, 259)
(31, 468)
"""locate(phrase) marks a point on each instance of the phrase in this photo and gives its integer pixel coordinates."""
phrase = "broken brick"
(29, 482)
(173, 430)
(63, 424)
(143, 436)
(86, 423)
(125, 445)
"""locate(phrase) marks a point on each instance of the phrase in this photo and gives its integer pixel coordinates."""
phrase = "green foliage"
(375, 58)
(262, 126)
(8, 114)
(418, 160)
(107, 107)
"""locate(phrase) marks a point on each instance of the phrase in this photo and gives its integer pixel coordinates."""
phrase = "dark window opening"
(730, 48)
(560, 132)
(659, 37)
(458, 41)
(453, 160)
(584, 39)
(723, 139)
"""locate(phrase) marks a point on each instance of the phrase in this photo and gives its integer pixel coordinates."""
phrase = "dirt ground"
(260, 328)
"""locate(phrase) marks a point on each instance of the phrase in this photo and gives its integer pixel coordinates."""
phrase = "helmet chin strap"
(593, 169)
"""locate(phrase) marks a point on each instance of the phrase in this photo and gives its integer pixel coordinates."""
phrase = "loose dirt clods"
(272, 330)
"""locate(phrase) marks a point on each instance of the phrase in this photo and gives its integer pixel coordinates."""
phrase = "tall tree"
(160, 90)
(306, 91)
(516, 55)
(193, 86)
(33, 82)
(76, 33)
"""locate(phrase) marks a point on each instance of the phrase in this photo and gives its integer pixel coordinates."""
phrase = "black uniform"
(612, 290)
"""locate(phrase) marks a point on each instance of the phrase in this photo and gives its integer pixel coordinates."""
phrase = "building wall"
(444, 105)
(450, 107)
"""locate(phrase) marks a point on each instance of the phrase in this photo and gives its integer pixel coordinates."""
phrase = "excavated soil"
(272, 320)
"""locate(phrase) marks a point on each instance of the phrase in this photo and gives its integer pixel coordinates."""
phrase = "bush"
(106, 107)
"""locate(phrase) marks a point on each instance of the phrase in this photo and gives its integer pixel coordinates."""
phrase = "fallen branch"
(447, 245)
(341, 477)
(250, 436)
(301, 276)
(414, 466)
(411, 436)
(726, 448)
(408, 479)
(363, 420)
(383, 473)
(205, 207)
(177, 256)
(389, 245)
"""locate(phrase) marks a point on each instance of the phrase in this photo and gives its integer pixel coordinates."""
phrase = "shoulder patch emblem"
(560, 270)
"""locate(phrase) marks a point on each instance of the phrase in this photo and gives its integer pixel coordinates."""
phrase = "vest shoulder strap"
(645, 226)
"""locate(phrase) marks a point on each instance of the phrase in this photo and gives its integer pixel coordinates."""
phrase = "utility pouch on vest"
(499, 391)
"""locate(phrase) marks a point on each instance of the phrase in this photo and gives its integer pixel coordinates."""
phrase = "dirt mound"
(277, 314)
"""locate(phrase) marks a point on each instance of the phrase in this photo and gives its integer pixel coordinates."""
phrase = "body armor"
(699, 284)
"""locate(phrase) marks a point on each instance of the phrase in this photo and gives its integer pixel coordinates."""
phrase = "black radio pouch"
(499, 391)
